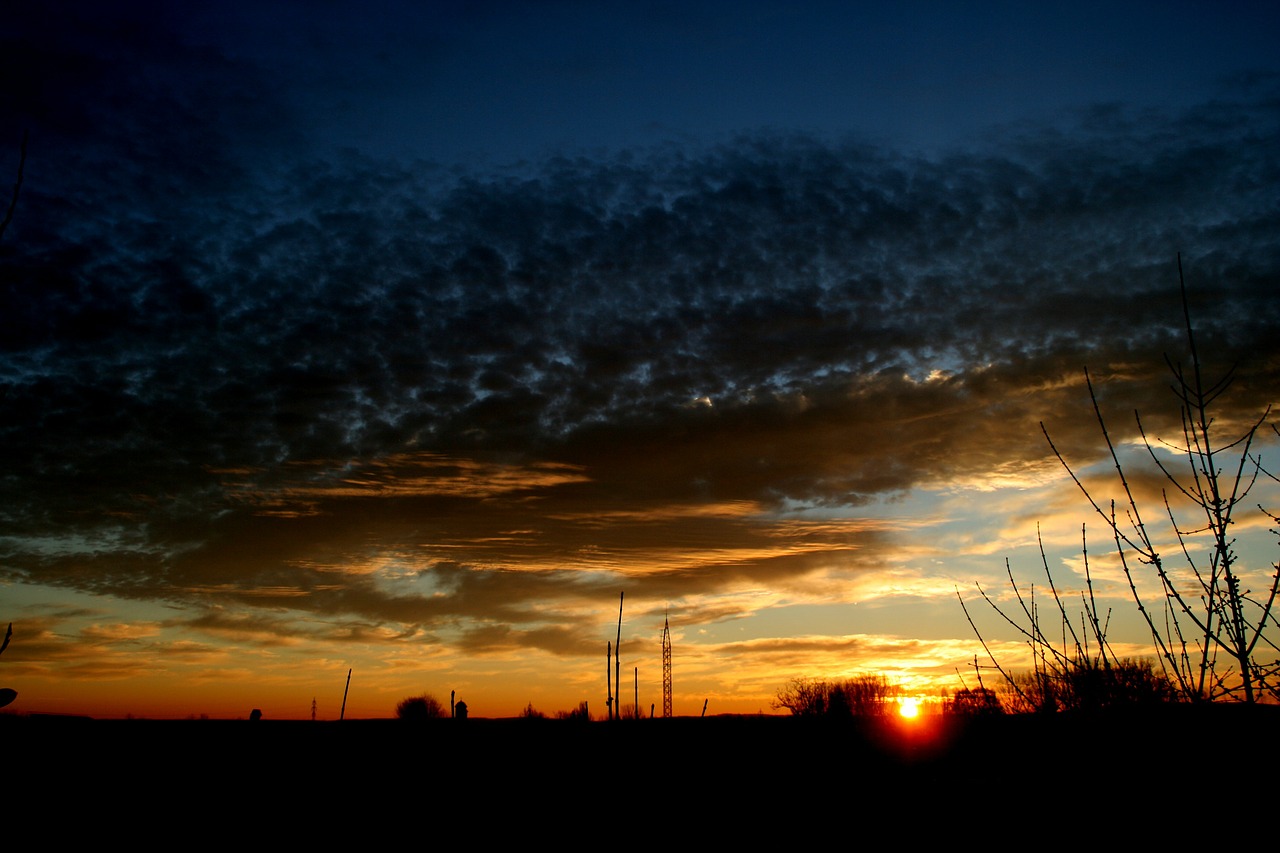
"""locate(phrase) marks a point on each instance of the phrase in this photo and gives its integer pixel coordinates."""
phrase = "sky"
(351, 352)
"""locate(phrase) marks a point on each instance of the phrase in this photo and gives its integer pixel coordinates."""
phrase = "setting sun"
(909, 708)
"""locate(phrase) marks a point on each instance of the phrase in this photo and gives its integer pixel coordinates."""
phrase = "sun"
(909, 708)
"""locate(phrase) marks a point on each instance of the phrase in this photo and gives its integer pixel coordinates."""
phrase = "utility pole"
(617, 659)
(666, 668)
(343, 714)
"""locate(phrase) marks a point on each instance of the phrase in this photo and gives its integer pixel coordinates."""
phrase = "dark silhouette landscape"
(791, 764)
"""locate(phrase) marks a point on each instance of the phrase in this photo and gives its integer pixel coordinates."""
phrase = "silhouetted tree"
(580, 714)
(978, 701)
(803, 697)
(424, 707)
(866, 695)
(1211, 613)
(863, 695)
(1204, 610)
(630, 711)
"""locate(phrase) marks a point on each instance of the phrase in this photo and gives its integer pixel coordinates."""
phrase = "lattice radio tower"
(666, 668)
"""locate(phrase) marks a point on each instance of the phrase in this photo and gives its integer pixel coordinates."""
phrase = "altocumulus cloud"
(393, 392)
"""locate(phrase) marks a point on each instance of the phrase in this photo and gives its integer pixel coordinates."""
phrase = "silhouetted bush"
(424, 707)
(531, 713)
(1121, 683)
(7, 694)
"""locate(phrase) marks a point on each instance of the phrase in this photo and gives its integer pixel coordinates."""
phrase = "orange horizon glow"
(181, 700)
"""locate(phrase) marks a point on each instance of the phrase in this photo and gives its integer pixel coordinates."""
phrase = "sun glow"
(909, 709)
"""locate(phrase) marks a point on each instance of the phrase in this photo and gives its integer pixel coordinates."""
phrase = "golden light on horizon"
(909, 708)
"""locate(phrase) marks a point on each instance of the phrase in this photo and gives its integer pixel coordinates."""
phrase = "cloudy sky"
(408, 341)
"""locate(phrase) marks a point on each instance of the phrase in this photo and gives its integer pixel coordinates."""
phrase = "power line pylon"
(666, 668)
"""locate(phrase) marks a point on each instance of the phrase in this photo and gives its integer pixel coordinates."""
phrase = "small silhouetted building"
(460, 710)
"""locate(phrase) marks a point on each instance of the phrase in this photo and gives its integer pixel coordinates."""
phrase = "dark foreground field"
(729, 770)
